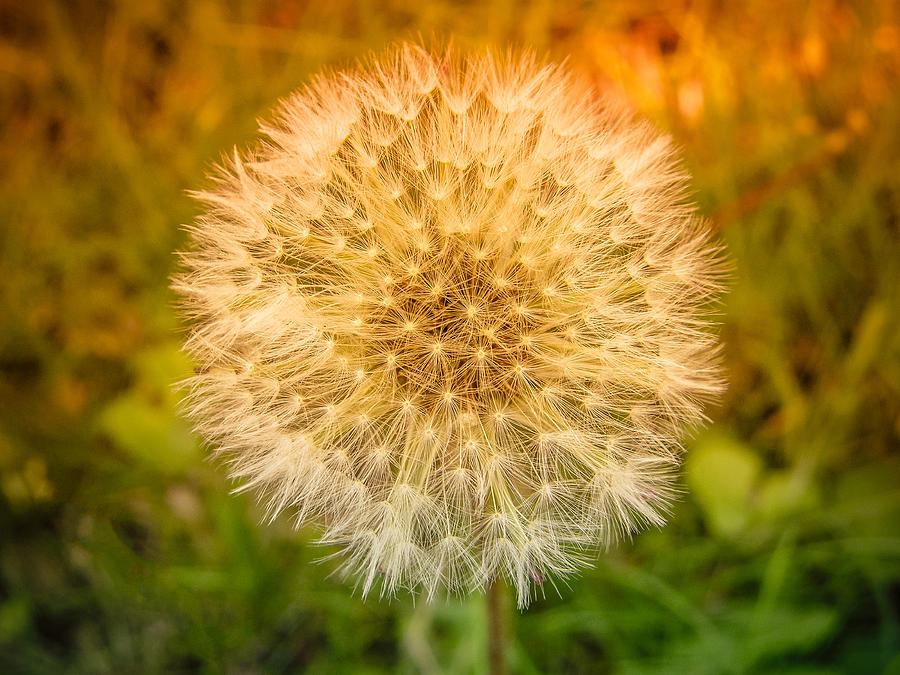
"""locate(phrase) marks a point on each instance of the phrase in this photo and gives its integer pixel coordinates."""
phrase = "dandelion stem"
(495, 599)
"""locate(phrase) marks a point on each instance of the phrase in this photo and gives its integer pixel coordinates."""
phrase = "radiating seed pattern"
(455, 311)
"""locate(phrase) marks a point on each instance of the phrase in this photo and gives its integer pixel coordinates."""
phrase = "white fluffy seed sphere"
(454, 311)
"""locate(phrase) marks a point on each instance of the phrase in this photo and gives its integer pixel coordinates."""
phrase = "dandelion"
(454, 311)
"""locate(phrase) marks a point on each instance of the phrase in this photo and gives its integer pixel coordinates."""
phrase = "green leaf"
(143, 421)
(721, 474)
(149, 433)
(785, 631)
(783, 493)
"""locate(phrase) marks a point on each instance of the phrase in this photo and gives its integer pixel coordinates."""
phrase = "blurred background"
(121, 550)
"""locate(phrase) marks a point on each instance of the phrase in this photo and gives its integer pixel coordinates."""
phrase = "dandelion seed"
(453, 310)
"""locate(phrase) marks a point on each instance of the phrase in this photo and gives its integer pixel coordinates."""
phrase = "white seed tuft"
(453, 310)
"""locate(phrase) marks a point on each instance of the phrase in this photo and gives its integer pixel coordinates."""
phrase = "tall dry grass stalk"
(453, 310)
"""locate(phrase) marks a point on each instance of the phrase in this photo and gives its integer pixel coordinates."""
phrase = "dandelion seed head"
(454, 310)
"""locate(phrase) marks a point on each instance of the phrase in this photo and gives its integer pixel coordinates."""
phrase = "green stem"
(495, 598)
